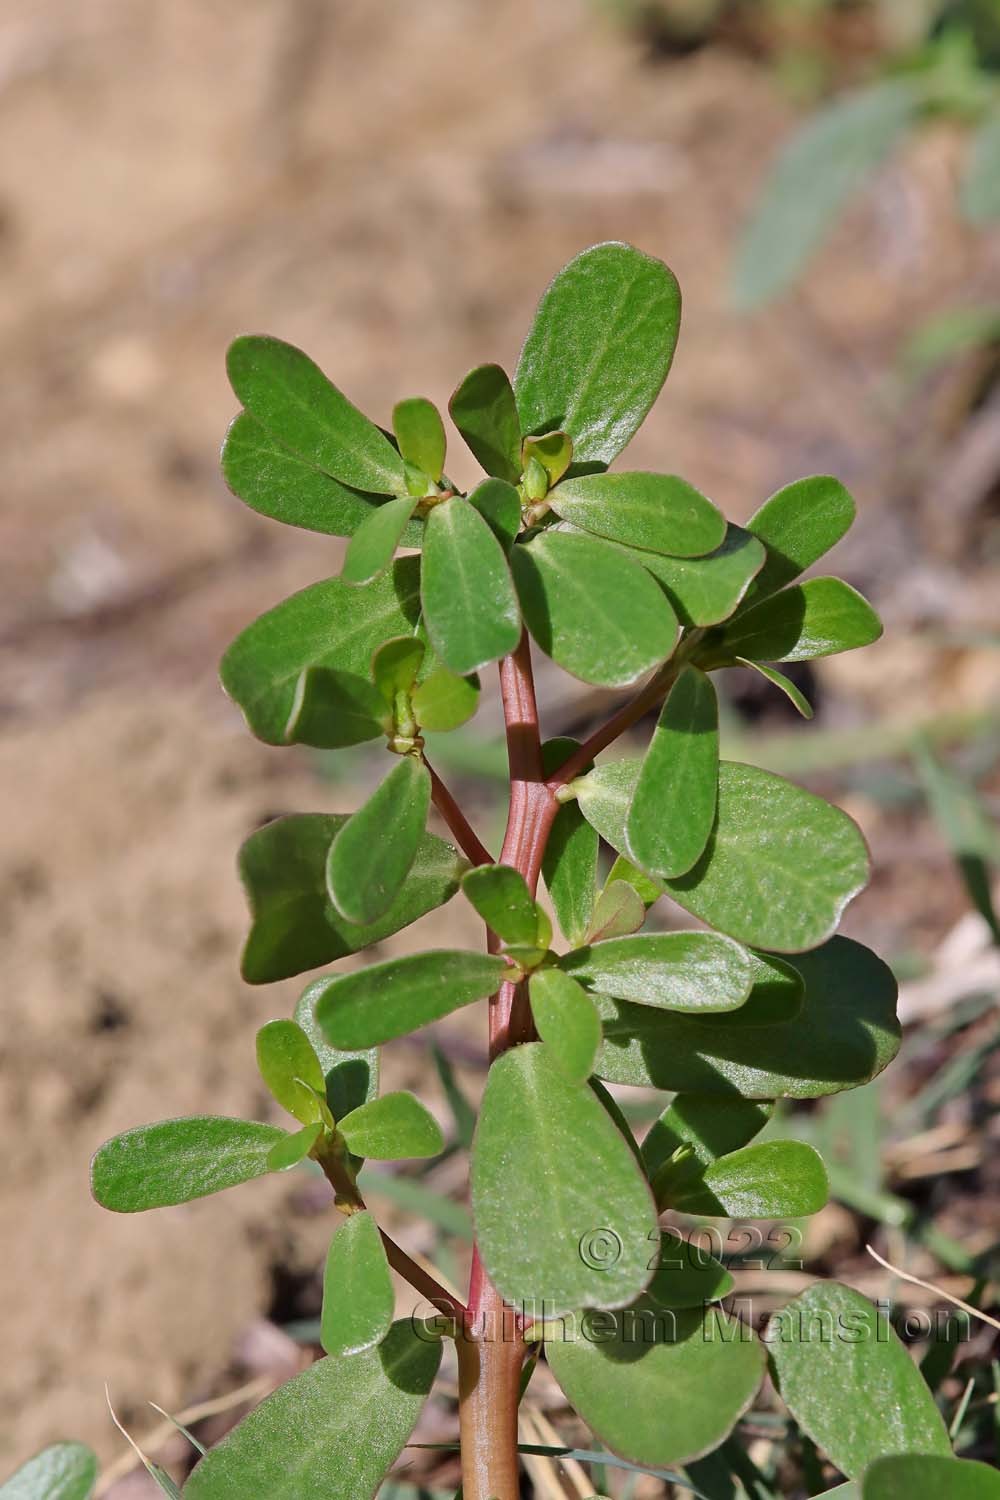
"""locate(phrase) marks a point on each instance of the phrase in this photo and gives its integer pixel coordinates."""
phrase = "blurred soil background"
(390, 186)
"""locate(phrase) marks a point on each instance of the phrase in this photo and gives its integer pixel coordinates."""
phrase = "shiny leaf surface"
(373, 853)
(653, 512)
(673, 806)
(173, 1161)
(358, 1299)
(387, 1000)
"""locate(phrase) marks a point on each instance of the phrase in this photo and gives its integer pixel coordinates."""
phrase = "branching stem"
(464, 833)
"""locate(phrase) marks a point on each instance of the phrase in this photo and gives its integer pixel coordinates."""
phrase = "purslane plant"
(625, 579)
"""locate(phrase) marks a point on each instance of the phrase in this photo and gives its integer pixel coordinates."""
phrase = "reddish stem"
(465, 835)
(630, 713)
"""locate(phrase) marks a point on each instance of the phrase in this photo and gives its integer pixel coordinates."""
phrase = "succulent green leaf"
(599, 350)
(569, 864)
(291, 397)
(331, 1433)
(775, 998)
(294, 925)
(705, 590)
(470, 607)
(595, 612)
(845, 1034)
(980, 193)
(352, 1077)
(500, 507)
(658, 1385)
(420, 434)
(648, 889)
(396, 665)
(651, 512)
(673, 807)
(332, 710)
(929, 1476)
(784, 684)
(553, 450)
(797, 526)
(294, 1148)
(63, 1471)
(173, 1161)
(392, 1127)
(373, 852)
(686, 971)
(485, 412)
(328, 625)
(358, 1300)
(387, 1000)
(445, 701)
(619, 910)
(566, 1021)
(770, 1180)
(687, 1275)
(708, 1125)
(501, 897)
(373, 545)
(290, 1068)
(817, 618)
(604, 797)
(563, 1213)
(849, 1382)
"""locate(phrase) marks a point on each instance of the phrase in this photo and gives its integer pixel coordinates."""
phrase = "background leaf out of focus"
(390, 186)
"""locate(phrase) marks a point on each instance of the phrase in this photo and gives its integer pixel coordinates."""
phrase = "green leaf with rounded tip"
(929, 1476)
(373, 546)
(392, 1127)
(845, 1033)
(709, 1125)
(599, 349)
(500, 507)
(373, 852)
(396, 665)
(352, 1077)
(173, 1161)
(275, 482)
(485, 412)
(687, 1276)
(569, 864)
(331, 1433)
(849, 1382)
(624, 870)
(445, 701)
(562, 1212)
(770, 1180)
(387, 1000)
(330, 624)
(294, 925)
(566, 1021)
(553, 450)
(332, 710)
(294, 1148)
(420, 434)
(650, 512)
(290, 1069)
(358, 1299)
(775, 998)
(784, 684)
(797, 525)
(673, 806)
(817, 618)
(658, 1385)
(501, 897)
(596, 613)
(63, 1471)
(619, 911)
(686, 971)
(291, 397)
(470, 607)
(604, 797)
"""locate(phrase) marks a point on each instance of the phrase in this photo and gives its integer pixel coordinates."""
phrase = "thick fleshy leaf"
(844, 1035)
(702, 590)
(352, 1077)
(658, 1385)
(775, 999)
(373, 546)
(294, 926)
(618, 911)
(63, 1471)
(595, 612)
(798, 525)
(174, 1161)
(331, 1433)
(653, 512)
(929, 1476)
(397, 664)
(420, 434)
(566, 1021)
(501, 897)
(687, 1275)
(289, 1066)
(817, 618)
(358, 1299)
(784, 684)
(292, 1149)
(272, 480)
(485, 412)
(334, 709)
(648, 889)
(604, 797)
(569, 864)
(500, 507)
(445, 701)
(291, 397)
(770, 1180)
(686, 971)
(707, 1125)
(392, 1127)
(387, 1000)
(470, 607)
(599, 349)
(329, 624)
(563, 1214)
(849, 1382)
(373, 852)
(673, 806)
(553, 450)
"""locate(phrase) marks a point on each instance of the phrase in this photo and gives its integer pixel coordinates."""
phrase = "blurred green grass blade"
(462, 1113)
(415, 1197)
(974, 842)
